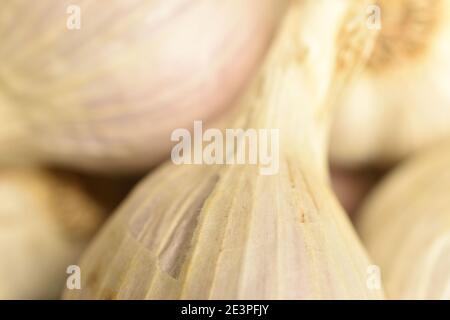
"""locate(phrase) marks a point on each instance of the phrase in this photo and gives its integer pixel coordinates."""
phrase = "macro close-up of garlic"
(46, 220)
(401, 102)
(107, 96)
(411, 208)
(224, 150)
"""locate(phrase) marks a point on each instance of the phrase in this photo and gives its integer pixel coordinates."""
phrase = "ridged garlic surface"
(228, 232)
(405, 226)
(401, 103)
(46, 220)
(106, 96)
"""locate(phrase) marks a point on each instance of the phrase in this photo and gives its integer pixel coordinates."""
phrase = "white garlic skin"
(46, 220)
(405, 226)
(401, 104)
(227, 235)
(107, 96)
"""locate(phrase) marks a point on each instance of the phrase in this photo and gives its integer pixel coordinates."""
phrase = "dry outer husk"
(107, 96)
(401, 103)
(47, 218)
(405, 225)
(227, 232)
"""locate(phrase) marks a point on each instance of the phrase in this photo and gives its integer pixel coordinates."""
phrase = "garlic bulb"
(46, 219)
(230, 232)
(402, 101)
(107, 96)
(405, 225)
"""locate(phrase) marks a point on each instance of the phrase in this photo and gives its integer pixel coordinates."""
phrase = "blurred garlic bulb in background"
(46, 219)
(108, 95)
(405, 225)
(402, 102)
(228, 232)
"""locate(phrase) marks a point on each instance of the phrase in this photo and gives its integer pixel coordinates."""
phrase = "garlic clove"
(401, 103)
(106, 97)
(47, 218)
(228, 232)
(405, 226)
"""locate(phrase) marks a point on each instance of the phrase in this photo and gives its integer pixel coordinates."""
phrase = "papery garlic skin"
(227, 232)
(401, 103)
(405, 225)
(106, 97)
(227, 235)
(46, 220)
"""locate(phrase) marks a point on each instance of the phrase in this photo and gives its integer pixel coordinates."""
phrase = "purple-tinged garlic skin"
(107, 96)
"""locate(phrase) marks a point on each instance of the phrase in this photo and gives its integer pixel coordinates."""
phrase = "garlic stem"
(303, 76)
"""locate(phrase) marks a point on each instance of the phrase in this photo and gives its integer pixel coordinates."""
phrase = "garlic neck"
(320, 44)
